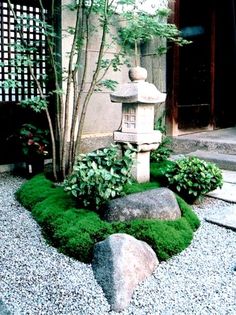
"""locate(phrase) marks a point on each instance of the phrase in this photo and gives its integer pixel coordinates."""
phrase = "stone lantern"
(138, 99)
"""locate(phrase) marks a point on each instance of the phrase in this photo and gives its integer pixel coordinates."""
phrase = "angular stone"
(157, 203)
(119, 264)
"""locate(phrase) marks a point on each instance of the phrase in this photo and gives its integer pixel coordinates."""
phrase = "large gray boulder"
(119, 264)
(157, 203)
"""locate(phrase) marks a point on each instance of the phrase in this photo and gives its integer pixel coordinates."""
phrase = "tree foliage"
(103, 19)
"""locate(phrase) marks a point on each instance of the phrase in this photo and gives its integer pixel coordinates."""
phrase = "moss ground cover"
(74, 231)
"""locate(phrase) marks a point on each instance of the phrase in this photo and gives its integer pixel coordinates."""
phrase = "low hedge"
(74, 231)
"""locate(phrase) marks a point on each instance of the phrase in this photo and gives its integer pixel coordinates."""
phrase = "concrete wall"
(103, 117)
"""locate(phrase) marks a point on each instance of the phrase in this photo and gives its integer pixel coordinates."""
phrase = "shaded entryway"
(201, 75)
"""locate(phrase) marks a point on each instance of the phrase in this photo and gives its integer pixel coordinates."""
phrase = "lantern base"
(141, 167)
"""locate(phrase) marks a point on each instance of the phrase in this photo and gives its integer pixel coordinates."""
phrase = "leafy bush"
(75, 231)
(158, 171)
(192, 177)
(34, 141)
(164, 150)
(100, 175)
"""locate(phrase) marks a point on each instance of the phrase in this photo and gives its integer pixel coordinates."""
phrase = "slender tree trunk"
(94, 81)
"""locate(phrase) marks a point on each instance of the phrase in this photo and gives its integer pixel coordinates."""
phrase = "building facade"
(198, 78)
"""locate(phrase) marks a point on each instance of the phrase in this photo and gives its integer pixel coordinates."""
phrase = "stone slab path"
(228, 191)
(227, 218)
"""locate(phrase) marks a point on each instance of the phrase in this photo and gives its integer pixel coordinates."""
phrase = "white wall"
(103, 117)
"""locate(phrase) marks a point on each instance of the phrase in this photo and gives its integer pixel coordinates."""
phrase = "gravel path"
(36, 279)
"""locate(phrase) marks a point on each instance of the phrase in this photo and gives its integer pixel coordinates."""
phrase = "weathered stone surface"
(3, 309)
(157, 203)
(119, 264)
(227, 192)
(138, 91)
(139, 138)
(227, 218)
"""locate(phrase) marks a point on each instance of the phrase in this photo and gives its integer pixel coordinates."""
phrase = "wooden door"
(192, 66)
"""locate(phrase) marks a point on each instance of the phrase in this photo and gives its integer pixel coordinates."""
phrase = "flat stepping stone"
(227, 192)
(227, 218)
(229, 176)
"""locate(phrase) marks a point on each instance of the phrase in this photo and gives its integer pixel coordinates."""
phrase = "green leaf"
(99, 176)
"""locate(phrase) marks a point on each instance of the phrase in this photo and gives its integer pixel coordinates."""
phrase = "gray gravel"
(36, 279)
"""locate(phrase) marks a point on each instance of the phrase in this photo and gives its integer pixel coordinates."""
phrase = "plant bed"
(74, 231)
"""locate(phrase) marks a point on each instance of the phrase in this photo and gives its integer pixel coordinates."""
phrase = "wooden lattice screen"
(9, 37)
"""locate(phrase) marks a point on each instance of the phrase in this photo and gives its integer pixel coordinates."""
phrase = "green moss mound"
(34, 191)
(75, 231)
(136, 187)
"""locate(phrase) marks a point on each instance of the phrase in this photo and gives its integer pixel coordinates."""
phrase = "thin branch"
(76, 113)
(59, 104)
(68, 90)
(76, 109)
(94, 79)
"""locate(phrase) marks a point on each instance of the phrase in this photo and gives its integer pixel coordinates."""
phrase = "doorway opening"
(199, 84)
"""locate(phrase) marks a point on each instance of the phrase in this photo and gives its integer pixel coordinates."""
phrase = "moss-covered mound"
(75, 231)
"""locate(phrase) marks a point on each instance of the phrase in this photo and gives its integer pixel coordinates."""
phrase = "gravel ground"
(36, 279)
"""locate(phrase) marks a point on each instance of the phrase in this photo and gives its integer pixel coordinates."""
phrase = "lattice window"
(9, 52)
(129, 116)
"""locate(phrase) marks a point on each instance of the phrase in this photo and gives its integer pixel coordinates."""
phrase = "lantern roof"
(138, 90)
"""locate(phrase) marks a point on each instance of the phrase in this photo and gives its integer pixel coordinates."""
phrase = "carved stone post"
(138, 99)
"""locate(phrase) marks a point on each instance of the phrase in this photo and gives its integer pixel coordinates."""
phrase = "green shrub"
(188, 213)
(100, 175)
(164, 150)
(75, 231)
(158, 170)
(167, 238)
(192, 177)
